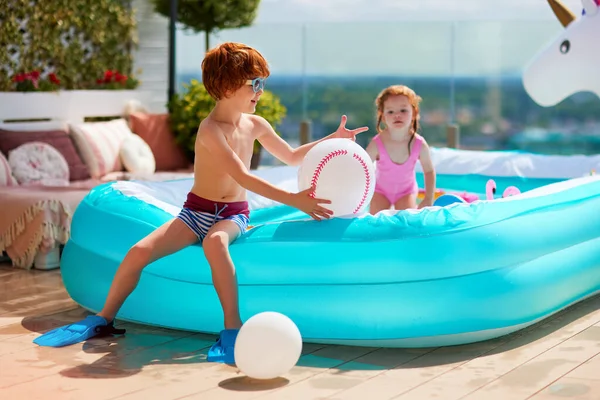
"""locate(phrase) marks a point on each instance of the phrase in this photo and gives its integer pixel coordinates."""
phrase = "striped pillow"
(99, 144)
(6, 176)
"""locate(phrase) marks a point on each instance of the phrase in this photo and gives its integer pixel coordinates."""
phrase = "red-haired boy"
(216, 211)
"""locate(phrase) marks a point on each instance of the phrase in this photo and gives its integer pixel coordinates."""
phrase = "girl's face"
(397, 113)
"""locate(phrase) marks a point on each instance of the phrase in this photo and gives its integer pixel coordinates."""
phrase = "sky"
(383, 37)
(271, 11)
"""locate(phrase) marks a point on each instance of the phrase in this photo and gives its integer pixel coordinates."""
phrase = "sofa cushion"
(155, 130)
(59, 139)
(6, 176)
(137, 156)
(100, 143)
(38, 163)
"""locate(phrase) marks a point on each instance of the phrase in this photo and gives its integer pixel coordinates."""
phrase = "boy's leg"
(216, 250)
(167, 239)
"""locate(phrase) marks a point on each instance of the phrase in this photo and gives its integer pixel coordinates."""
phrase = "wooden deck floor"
(555, 359)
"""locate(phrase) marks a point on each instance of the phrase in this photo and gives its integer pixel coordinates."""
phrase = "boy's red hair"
(227, 67)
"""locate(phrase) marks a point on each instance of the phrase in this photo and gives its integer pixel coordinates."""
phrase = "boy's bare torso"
(210, 180)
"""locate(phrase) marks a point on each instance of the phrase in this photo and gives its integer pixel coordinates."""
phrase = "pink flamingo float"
(490, 190)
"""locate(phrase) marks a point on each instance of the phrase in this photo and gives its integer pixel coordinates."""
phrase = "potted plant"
(42, 95)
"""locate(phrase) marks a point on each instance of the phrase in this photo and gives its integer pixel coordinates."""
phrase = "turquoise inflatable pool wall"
(441, 276)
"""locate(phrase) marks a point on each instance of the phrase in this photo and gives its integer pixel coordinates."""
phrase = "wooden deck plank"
(570, 389)
(587, 370)
(520, 349)
(308, 365)
(534, 375)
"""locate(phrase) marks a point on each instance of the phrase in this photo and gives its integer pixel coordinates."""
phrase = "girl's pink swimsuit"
(395, 180)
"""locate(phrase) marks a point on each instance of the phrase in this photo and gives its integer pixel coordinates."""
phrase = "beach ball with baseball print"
(342, 172)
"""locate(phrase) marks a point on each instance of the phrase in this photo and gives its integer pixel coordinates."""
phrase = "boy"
(216, 211)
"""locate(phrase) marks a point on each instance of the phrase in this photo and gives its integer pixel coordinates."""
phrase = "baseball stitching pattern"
(367, 182)
(337, 153)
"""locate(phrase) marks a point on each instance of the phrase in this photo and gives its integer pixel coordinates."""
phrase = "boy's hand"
(305, 202)
(344, 133)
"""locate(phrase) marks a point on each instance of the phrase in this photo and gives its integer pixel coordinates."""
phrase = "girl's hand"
(426, 202)
(345, 133)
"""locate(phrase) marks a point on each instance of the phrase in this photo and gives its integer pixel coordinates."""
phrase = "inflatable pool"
(439, 276)
(468, 171)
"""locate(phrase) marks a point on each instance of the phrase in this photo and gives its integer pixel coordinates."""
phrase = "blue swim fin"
(91, 326)
(223, 350)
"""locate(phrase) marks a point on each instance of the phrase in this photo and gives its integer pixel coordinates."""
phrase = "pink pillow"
(6, 176)
(99, 144)
(37, 163)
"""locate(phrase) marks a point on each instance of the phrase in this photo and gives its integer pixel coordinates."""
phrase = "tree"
(210, 16)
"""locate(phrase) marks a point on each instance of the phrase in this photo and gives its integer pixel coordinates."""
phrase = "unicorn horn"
(564, 15)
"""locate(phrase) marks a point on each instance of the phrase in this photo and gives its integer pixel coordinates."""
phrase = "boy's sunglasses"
(256, 83)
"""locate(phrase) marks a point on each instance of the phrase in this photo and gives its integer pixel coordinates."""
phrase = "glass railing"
(468, 73)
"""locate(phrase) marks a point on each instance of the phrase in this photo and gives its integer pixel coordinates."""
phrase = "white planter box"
(67, 105)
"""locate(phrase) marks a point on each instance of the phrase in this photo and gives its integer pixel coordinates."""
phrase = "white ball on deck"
(268, 345)
(342, 171)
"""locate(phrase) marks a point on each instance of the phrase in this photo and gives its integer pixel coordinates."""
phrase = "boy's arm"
(429, 173)
(230, 162)
(275, 145)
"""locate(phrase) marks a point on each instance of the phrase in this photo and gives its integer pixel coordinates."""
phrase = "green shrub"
(78, 40)
(189, 108)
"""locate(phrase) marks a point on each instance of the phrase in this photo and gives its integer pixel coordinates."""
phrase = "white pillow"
(37, 163)
(136, 156)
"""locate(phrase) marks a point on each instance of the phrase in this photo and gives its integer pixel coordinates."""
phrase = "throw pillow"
(100, 143)
(137, 156)
(155, 130)
(38, 163)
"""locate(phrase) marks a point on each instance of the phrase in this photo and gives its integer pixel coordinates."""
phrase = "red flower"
(108, 76)
(112, 77)
(120, 78)
(53, 78)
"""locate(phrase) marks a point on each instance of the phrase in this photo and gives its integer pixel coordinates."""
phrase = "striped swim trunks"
(200, 214)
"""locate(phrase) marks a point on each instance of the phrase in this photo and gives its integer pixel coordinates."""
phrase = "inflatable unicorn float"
(570, 63)
(448, 275)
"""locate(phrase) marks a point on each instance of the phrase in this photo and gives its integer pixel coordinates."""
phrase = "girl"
(395, 151)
